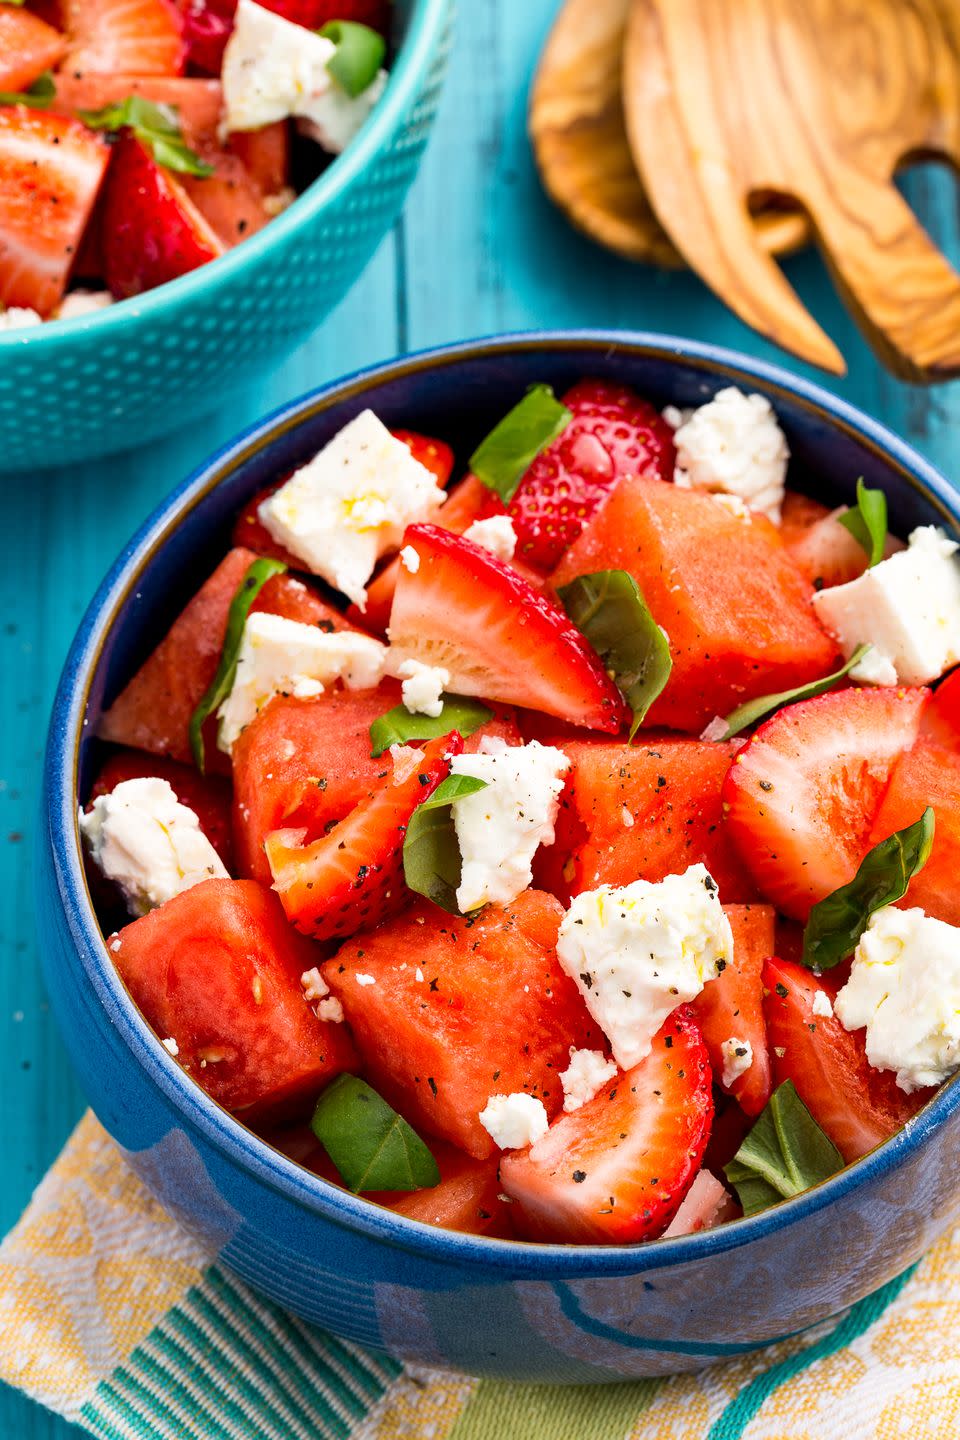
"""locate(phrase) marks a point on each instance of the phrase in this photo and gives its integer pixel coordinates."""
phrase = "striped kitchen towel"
(113, 1318)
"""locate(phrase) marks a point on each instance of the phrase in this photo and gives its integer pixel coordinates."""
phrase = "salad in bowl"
(553, 841)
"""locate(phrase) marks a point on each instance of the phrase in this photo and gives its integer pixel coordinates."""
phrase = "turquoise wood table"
(480, 249)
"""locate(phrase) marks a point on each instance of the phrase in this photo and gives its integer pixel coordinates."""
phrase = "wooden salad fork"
(820, 101)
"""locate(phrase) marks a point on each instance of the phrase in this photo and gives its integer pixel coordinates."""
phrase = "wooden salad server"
(818, 100)
(580, 141)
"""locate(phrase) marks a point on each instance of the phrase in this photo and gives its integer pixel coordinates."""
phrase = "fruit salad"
(140, 139)
(557, 842)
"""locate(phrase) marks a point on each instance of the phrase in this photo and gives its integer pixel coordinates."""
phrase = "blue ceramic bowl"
(73, 390)
(492, 1307)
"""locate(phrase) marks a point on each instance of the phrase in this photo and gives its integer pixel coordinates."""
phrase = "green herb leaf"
(358, 57)
(401, 725)
(746, 715)
(249, 588)
(156, 126)
(867, 521)
(609, 611)
(432, 864)
(39, 96)
(371, 1145)
(836, 923)
(784, 1154)
(505, 456)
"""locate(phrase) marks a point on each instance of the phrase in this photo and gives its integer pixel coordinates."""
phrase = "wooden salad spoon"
(580, 141)
(820, 101)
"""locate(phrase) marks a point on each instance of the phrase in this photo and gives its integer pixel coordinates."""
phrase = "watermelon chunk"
(731, 1006)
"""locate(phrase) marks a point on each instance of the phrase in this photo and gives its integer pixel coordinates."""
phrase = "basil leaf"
(156, 126)
(359, 54)
(867, 521)
(432, 864)
(401, 725)
(783, 1154)
(609, 611)
(258, 573)
(754, 710)
(505, 456)
(836, 923)
(371, 1145)
(41, 93)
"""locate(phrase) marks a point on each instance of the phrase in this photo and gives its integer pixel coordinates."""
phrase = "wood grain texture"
(579, 140)
(818, 100)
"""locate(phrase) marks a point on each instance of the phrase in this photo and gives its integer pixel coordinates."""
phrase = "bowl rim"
(412, 63)
(228, 1135)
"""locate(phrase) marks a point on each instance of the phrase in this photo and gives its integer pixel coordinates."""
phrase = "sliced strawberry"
(229, 200)
(616, 1170)
(498, 637)
(197, 102)
(51, 169)
(152, 231)
(941, 719)
(612, 433)
(314, 14)
(856, 1106)
(731, 1006)
(266, 155)
(207, 26)
(341, 882)
(435, 455)
(802, 796)
(929, 774)
(123, 37)
(28, 46)
(208, 796)
(819, 545)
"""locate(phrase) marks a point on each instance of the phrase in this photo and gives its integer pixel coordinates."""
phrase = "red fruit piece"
(641, 811)
(612, 433)
(229, 200)
(123, 37)
(737, 611)
(802, 796)
(856, 1106)
(152, 232)
(207, 26)
(498, 637)
(28, 46)
(822, 548)
(352, 877)
(217, 969)
(208, 796)
(493, 1014)
(51, 169)
(197, 102)
(941, 719)
(928, 774)
(153, 711)
(266, 155)
(314, 14)
(731, 1006)
(615, 1171)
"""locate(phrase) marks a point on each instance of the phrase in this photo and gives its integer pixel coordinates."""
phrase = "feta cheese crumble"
(313, 985)
(83, 302)
(587, 1073)
(821, 1005)
(274, 69)
(351, 503)
(638, 952)
(495, 534)
(737, 1059)
(18, 317)
(171, 1047)
(904, 987)
(148, 844)
(734, 445)
(500, 828)
(410, 559)
(365, 979)
(907, 607)
(285, 657)
(423, 687)
(330, 1009)
(514, 1121)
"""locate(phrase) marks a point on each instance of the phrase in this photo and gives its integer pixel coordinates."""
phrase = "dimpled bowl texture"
(73, 390)
(491, 1307)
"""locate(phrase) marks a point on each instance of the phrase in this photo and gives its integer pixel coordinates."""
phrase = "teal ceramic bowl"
(73, 390)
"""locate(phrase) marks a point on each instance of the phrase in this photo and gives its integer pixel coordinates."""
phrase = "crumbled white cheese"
(351, 504)
(423, 687)
(410, 559)
(904, 987)
(274, 69)
(514, 1121)
(907, 608)
(365, 979)
(495, 534)
(285, 657)
(148, 844)
(115, 944)
(638, 952)
(627, 817)
(821, 1005)
(716, 730)
(171, 1047)
(737, 1059)
(500, 828)
(83, 302)
(313, 985)
(733, 444)
(330, 1009)
(406, 759)
(587, 1073)
(18, 317)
